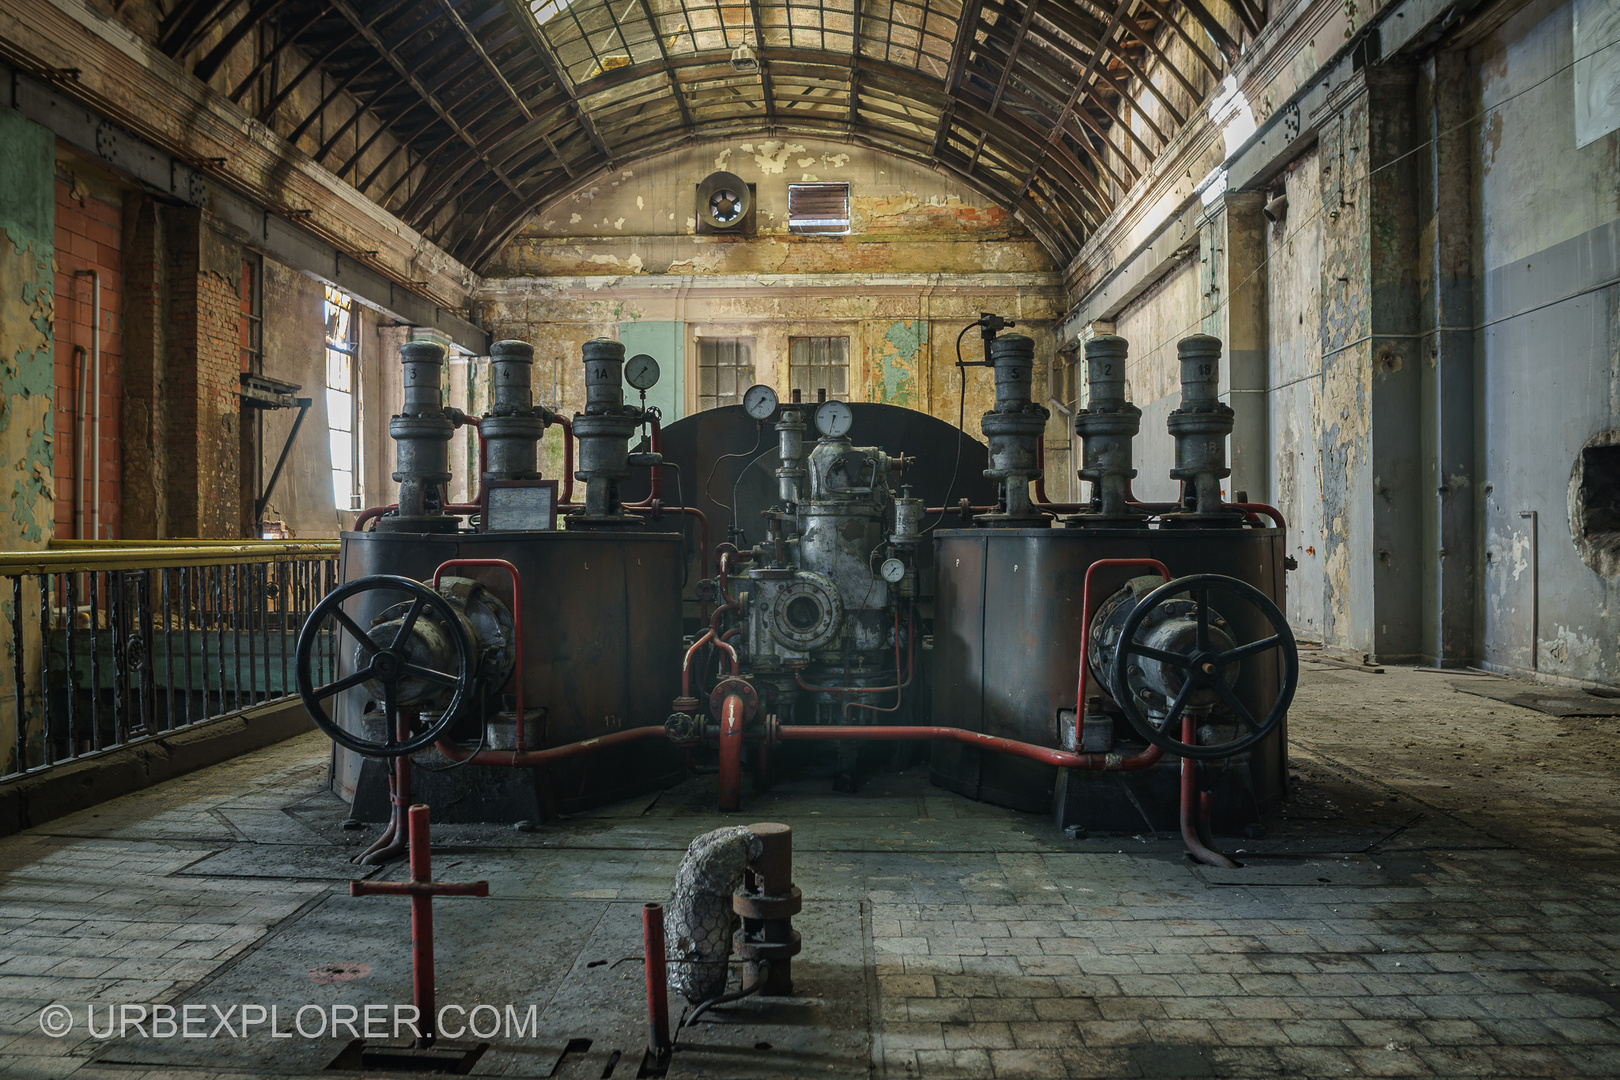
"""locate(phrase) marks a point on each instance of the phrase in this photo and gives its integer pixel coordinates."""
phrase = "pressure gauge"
(760, 401)
(833, 419)
(893, 570)
(641, 371)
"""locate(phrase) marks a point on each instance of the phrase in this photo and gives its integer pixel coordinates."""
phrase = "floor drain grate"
(446, 1058)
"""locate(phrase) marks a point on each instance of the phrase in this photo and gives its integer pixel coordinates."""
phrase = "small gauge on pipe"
(760, 401)
(892, 570)
(641, 371)
(833, 419)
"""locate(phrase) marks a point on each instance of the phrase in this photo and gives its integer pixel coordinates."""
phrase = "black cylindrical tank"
(1007, 642)
(601, 652)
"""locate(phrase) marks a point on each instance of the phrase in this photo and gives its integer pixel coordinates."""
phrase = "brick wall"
(89, 236)
(203, 361)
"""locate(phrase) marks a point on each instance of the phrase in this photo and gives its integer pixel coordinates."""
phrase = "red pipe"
(517, 627)
(421, 888)
(393, 840)
(1085, 623)
(653, 961)
(1189, 799)
(655, 483)
(1041, 502)
(953, 509)
(899, 683)
(529, 759)
(1043, 754)
(1261, 508)
(686, 664)
(731, 722)
(567, 492)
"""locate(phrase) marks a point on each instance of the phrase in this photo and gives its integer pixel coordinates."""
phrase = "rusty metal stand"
(654, 963)
(767, 902)
(421, 888)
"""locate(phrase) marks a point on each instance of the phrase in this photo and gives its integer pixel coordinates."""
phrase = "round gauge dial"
(833, 419)
(641, 371)
(760, 401)
(892, 570)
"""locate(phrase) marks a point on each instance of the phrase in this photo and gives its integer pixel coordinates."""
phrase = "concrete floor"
(1439, 897)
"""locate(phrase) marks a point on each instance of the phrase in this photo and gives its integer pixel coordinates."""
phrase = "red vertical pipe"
(567, 493)
(1191, 804)
(731, 740)
(652, 951)
(422, 924)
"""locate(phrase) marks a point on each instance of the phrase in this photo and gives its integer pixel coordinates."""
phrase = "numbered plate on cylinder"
(833, 419)
(892, 570)
(641, 371)
(760, 402)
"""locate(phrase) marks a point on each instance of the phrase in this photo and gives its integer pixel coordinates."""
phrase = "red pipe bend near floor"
(528, 759)
(1045, 754)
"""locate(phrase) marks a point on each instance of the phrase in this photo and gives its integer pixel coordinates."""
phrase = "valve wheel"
(1207, 668)
(388, 663)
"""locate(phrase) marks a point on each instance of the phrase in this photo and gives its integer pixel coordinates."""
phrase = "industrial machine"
(1049, 653)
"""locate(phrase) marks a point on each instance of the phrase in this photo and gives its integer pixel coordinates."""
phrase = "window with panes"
(725, 371)
(341, 349)
(817, 364)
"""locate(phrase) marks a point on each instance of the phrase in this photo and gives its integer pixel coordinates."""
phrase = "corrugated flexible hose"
(698, 918)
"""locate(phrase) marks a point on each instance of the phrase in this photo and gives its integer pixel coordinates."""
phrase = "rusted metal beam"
(332, 95)
(674, 87)
(1146, 38)
(1006, 73)
(1214, 28)
(1180, 31)
(189, 20)
(354, 119)
(471, 39)
(250, 19)
(1081, 87)
(346, 9)
(537, 38)
(766, 89)
(292, 84)
(854, 69)
(967, 32)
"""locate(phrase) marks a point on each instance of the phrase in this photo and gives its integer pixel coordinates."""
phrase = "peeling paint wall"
(1153, 323)
(27, 314)
(89, 237)
(642, 219)
(925, 255)
(1294, 334)
(27, 376)
(1549, 348)
(295, 352)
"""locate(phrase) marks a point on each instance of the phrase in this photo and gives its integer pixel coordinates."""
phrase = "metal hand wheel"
(399, 660)
(1205, 672)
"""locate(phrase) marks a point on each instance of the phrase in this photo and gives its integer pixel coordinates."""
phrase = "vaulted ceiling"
(1050, 107)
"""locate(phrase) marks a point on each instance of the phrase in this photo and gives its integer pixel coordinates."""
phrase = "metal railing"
(112, 642)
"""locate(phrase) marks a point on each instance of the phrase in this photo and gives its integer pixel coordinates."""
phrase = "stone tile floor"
(1438, 898)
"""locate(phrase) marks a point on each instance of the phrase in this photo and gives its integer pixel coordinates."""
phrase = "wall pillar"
(1446, 315)
(144, 410)
(202, 369)
(1233, 290)
(1368, 410)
